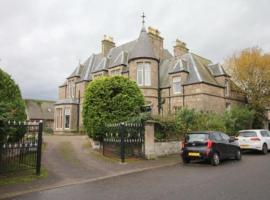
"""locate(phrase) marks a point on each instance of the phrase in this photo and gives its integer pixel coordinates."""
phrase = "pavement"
(237, 180)
(70, 160)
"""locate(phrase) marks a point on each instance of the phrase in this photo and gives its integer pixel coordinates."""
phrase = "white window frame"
(140, 74)
(144, 74)
(67, 113)
(176, 80)
(227, 88)
(71, 90)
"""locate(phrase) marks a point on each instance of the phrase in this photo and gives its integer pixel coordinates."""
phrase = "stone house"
(37, 110)
(168, 81)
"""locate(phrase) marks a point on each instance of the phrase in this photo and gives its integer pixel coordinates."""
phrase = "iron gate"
(20, 146)
(124, 140)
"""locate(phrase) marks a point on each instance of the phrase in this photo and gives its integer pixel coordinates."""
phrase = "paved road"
(248, 179)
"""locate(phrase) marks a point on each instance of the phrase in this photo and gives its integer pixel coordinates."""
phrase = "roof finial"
(143, 21)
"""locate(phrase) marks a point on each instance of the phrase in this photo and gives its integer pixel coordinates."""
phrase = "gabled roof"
(143, 47)
(195, 65)
(217, 70)
(39, 109)
(179, 66)
(198, 71)
(121, 59)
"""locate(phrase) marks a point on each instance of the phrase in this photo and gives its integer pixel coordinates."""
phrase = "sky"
(42, 41)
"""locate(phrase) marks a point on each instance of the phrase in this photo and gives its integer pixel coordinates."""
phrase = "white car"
(254, 140)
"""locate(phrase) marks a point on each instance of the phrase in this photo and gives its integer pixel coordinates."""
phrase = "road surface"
(247, 179)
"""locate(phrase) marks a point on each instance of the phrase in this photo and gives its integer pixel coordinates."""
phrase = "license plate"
(193, 154)
(244, 146)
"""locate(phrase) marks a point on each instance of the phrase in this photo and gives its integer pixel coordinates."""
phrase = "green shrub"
(110, 100)
(187, 120)
(165, 128)
(238, 118)
(48, 130)
(12, 107)
(210, 121)
(231, 122)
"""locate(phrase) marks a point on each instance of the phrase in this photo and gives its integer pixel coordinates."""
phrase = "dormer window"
(144, 74)
(176, 81)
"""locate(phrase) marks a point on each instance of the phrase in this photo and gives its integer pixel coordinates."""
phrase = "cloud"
(41, 42)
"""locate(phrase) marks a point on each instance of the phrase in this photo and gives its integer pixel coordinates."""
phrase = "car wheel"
(186, 160)
(265, 149)
(238, 155)
(215, 160)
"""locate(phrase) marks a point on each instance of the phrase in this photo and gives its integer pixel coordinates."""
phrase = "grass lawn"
(23, 176)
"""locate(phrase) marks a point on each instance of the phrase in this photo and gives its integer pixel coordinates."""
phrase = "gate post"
(39, 148)
(122, 136)
(149, 140)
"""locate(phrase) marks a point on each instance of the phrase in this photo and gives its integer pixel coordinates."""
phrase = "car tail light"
(255, 139)
(209, 144)
(183, 144)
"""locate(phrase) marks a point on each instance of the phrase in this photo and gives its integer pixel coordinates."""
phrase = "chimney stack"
(157, 41)
(106, 44)
(180, 48)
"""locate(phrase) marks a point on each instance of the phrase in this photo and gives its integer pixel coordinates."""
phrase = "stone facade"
(201, 84)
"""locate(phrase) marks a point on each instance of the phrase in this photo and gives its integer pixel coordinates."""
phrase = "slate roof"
(194, 65)
(143, 47)
(39, 109)
(199, 69)
(217, 70)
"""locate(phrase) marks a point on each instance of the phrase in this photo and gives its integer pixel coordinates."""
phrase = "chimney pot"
(107, 44)
(180, 48)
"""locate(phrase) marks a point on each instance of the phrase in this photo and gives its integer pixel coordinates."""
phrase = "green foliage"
(165, 128)
(231, 122)
(238, 118)
(48, 130)
(210, 121)
(186, 120)
(11, 105)
(110, 100)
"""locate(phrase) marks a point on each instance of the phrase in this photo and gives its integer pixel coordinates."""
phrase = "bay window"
(144, 74)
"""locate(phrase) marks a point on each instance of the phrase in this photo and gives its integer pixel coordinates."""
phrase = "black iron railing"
(20, 146)
(124, 140)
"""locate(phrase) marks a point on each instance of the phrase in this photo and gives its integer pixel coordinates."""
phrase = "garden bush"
(165, 128)
(187, 120)
(238, 118)
(12, 107)
(110, 100)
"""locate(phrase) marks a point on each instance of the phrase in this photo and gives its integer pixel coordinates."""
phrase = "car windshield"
(198, 137)
(248, 134)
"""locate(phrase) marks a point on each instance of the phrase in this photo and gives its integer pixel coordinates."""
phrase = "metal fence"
(20, 146)
(124, 140)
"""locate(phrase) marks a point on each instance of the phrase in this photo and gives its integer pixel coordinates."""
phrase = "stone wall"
(167, 148)
(62, 92)
(155, 149)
